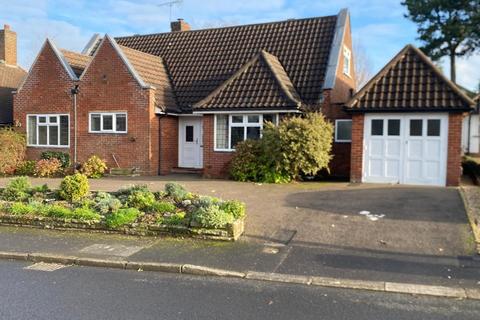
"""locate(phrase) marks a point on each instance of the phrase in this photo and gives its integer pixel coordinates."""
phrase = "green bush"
(106, 203)
(57, 211)
(163, 207)
(63, 157)
(141, 199)
(234, 207)
(212, 217)
(122, 217)
(26, 168)
(74, 188)
(471, 166)
(17, 189)
(205, 201)
(13, 147)
(47, 168)
(20, 209)
(40, 189)
(94, 167)
(85, 214)
(298, 145)
(175, 220)
(176, 191)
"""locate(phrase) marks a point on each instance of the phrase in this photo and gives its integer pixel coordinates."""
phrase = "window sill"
(56, 147)
(343, 141)
(107, 132)
(224, 150)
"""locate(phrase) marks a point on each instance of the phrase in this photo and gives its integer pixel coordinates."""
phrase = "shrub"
(12, 150)
(212, 217)
(141, 199)
(26, 168)
(163, 207)
(85, 214)
(234, 207)
(47, 168)
(298, 145)
(17, 189)
(205, 201)
(57, 211)
(63, 157)
(40, 189)
(94, 167)
(176, 191)
(20, 209)
(74, 188)
(106, 203)
(122, 217)
(176, 219)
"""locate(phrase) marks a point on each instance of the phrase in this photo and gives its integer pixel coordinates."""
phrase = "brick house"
(407, 124)
(183, 99)
(11, 74)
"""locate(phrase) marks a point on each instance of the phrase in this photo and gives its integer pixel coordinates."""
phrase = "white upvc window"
(231, 129)
(343, 130)
(347, 61)
(48, 130)
(107, 122)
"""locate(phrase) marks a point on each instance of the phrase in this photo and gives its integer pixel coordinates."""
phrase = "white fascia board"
(246, 111)
(91, 44)
(62, 60)
(124, 58)
(336, 49)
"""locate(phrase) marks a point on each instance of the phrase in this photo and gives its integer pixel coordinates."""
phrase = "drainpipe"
(75, 90)
(469, 131)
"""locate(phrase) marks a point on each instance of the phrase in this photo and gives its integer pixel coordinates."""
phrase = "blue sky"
(378, 26)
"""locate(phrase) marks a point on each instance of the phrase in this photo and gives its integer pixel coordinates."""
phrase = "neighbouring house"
(471, 130)
(11, 74)
(407, 124)
(185, 98)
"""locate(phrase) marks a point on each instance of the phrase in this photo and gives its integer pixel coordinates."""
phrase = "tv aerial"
(170, 4)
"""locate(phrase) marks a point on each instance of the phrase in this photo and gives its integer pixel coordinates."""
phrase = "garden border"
(231, 233)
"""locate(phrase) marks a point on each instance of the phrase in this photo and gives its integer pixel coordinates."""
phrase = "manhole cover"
(119, 250)
(43, 266)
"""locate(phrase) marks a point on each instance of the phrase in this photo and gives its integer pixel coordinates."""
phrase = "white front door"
(190, 142)
(406, 149)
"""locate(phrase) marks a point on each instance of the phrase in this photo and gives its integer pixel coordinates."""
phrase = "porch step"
(186, 170)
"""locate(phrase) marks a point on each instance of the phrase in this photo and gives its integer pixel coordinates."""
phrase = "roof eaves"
(336, 49)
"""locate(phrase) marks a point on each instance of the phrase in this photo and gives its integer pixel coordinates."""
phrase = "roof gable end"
(263, 73)
(410, 82)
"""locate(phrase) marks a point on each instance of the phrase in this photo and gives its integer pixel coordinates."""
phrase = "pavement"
(411, 235)
(30, 292)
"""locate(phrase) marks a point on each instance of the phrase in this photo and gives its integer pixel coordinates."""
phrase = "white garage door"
(406, 149)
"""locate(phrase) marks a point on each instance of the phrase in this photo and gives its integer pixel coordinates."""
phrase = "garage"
(406, 149)
(407, 125)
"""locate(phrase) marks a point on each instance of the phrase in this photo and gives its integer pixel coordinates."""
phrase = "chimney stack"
(179, 25)
(8, 46)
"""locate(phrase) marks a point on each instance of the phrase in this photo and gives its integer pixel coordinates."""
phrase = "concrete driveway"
(412, 220)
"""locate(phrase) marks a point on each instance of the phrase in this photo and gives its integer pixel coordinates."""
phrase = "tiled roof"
(11, 76)
(77, 61)
(410, 82)
(152, 70)
(200, 61)
(261, 83)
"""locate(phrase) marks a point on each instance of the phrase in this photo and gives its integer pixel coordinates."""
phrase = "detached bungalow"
(184, 99)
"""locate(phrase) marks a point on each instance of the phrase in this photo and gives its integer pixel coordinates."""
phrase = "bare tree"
(363, 65)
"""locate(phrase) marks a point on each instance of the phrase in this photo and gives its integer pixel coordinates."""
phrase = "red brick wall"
(454, 160)
(356, 169)
(168, 144)
(108, 86)
(46, 90)
(215, 163)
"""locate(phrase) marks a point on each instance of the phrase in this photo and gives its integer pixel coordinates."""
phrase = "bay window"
(103, 122)
(234, 128)
(49, 130)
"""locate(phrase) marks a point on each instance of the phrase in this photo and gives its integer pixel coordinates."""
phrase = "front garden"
(131, 210)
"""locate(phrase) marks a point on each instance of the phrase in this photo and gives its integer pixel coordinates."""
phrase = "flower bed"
(133, 210)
